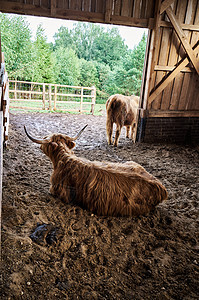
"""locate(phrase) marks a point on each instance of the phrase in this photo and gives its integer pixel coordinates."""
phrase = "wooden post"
(2, 58)
(44, 105)
(15, 93)
(81, 100)
(50, 97)
(31, 91)
(109, 4)
(165, 4)
(55, 97)
(93, 98)
(1, 165)
(154, 45)
(53, 8)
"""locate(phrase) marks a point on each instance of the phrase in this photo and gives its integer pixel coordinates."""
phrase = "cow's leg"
(127, 131)
(62, 193)
(109, 131)
(117, 135)
(133, 130)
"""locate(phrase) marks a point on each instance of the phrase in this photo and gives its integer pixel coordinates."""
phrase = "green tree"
(126, 77)
(133, 63)
(103, 72)
(67, 66)
(116, 81)
(88, 73)
(109, 48)
(44, 62)
(17, 46)
(93, 43)
(63, 38)
(84, 35)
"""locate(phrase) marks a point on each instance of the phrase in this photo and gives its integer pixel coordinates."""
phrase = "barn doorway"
(114, 73)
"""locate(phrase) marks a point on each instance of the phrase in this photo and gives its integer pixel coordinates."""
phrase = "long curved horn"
(79, 133)
(33, 139)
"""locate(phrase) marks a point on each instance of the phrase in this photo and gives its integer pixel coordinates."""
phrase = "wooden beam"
(171, 113)
(155, 34)
(183, 38)
(170, 68)
(165, 4)
(146, 73)
(107, 17)
(21, 8)
(35, 10)
(183, 26)
(171, 76)
(128, 21)
(53, 6)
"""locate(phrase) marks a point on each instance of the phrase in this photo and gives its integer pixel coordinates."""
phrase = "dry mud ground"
(78, 255)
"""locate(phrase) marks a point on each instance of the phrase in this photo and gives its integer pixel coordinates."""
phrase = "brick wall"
(179, 130)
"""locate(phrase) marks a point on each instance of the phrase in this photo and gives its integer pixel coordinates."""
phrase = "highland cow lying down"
(103, 188)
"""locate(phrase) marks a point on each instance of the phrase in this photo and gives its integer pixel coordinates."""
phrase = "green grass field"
(33, 106)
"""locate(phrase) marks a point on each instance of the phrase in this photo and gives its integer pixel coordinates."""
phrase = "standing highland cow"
(121, 110)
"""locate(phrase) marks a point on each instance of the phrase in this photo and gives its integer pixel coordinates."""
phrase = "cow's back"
(117, 107)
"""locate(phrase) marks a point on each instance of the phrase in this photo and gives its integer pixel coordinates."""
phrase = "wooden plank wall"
(182, 93)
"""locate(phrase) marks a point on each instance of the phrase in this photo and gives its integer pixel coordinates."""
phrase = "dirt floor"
(77, 255)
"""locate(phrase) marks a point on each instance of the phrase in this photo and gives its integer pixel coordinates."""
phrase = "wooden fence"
(45, 96)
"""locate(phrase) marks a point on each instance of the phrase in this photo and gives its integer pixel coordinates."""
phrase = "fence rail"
(34, 95)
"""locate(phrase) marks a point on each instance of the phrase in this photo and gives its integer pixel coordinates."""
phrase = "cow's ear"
(70, 144)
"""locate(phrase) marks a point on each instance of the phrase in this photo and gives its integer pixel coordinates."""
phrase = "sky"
(131, 35)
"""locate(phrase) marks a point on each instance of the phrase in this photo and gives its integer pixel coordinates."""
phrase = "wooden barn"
(81, 255)
(169, 107)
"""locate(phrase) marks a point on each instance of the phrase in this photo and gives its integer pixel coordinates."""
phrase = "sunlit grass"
(73, 108)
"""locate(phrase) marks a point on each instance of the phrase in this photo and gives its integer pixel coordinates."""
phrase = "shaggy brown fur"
(121, 110)
(104, 188)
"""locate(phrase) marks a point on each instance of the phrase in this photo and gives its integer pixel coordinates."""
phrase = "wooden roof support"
(154, 44)
(109, 4)
(183, 26)
(53, 6)
(53, 10)
(172, 75)
(165, 4)
(183, 38)
(171, 113)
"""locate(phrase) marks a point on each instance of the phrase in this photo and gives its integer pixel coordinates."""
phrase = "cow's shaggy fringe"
(103, 188)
